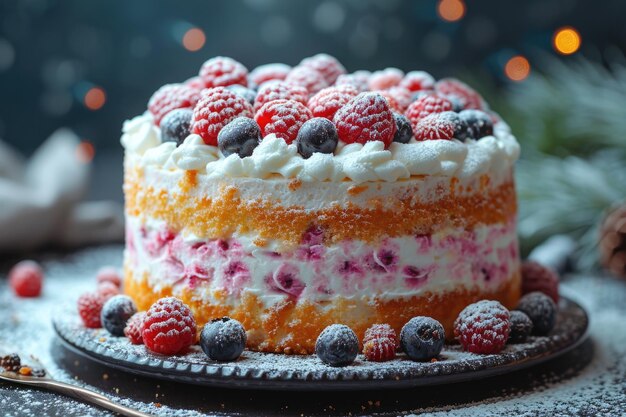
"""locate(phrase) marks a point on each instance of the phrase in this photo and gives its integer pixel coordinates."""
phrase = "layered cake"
(294, 198)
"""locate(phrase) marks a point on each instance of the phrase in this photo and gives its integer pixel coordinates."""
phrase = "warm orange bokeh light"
(517, 68)
(451, 10)
(566, 40)
(95, 98)
(194, 39)
(85, 152)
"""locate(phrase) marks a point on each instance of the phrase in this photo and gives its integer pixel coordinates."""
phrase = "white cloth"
(41, 200)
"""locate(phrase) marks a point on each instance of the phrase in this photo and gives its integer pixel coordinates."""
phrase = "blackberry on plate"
(246, 93)
(175, 126)
(541, 310)
(240, 136)
(478, 122)
(521, 327)
(223, 339)
(404, 131)
(116, 312)
(422, 338)
(11, 362)
(317, 135)
(337, 345)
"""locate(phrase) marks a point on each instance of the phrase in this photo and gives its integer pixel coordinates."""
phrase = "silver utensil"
(83, 394)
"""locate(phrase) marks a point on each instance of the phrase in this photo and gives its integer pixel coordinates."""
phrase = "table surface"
(589, 381)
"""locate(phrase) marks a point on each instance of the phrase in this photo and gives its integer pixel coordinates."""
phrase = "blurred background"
(554, 69)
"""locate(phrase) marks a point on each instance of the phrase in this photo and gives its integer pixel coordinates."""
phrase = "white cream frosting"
(356, 162)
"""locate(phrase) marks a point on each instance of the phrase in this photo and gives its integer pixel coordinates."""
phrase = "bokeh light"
(451, 10)
(95, 98)
(566, 40)
(85, 152)
(194, 39)
(517, 68)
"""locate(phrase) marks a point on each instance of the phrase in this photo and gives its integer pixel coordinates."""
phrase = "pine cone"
(612, 243)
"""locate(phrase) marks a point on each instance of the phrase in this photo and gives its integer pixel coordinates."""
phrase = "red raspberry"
(279, 90)
(223, 71)
(284, 118)
(329, 100)
(435, 126)
(169, 327)
(171, 97)
(379, 349)
(393, 103)
(536, 277)
(195, 82)
(402, 96)
(466, 95)
(26, 279)
(269, 72)
(426, 105)
(308, 78)
(327, 65)
(109, 274)
(387, 78)
(483, 327)
(367, 117)
(215, 109)
(134, 328)
(417, 81)
(379, 331)
(108, 289)
(357, 79)
(89, 309)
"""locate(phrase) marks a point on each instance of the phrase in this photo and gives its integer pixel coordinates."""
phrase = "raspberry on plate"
(417, 81)
(447, 125)
(284, 118)
(483, 327)
(26, 279)
(279, 90)
(327, 65)
(425, 105)
(134, 327)
(107, 289)
(215, 109)
(357, 79)
(467, 96)
(169, 327)
(337, 345)
(171, 97)
(223, 71)
(379, 349)
(536, 277)
(327, 101)
(384, 79)
(391, 100)
(379, 331)
(308, 78)
(366, 118)
(89, 309)
(268, 72)
(109, 274)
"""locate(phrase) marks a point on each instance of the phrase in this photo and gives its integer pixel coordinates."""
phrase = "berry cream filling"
(396, 267)
(359, 163)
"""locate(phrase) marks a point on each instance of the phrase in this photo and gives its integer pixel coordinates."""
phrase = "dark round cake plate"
(255, 370)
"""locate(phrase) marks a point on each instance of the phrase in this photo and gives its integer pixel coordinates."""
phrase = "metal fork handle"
(85, 395)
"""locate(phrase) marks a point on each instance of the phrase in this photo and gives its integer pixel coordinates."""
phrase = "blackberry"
(11, 363)
(317, 135)
(240, 136)
(404, 131)
(116, 312)
(223, 339)
(478, 122)
(337, 345)
(175, 126)
(521, 327)
(422, 338)
(541, 310)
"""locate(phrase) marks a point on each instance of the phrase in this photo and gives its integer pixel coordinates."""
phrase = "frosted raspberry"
(107, 289)
(283, 118)
(327, 65)
(171, 97)
(379, 331)
(215, 109)
(366, 118)
(446, 125)
(326, 102)
(393, 103)
(379, 349)
(417, 81)
(89, 308)
(223, 71)
(384, 79)
(402, 96)
(134, 328)
(195, 82)
(279, 90)
(425, 105)
(308, 78)
(536, 277)
(269, 72)
(483, 327)
(26, 279)
(357, 79)
(466, 95)
(109, 274)
(169, 327)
